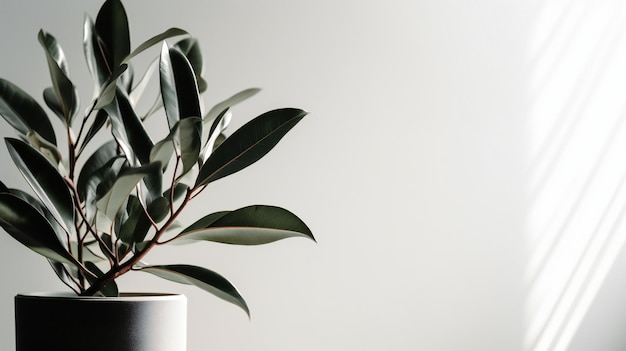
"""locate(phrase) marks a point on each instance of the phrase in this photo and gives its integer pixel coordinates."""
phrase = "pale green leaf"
(230, 102)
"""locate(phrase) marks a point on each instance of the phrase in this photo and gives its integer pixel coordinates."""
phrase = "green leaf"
(180, 189)
(99, 184)
(189, 135)
(127, 180)
(220, 123)
(50, 98)
(138, 90)
(230, 102)
(112, 27)
(154, 186)
(126, 79)
(248, 144)
(164, 149)
(98, 123)
(136, 227)
(109, 88)
(26, 225)
(252, 225)
(105, 177)
(203, 278)
(156, 106)
(110, 290)
(23, 113)
(136, 223)
(128, 130)
(97, 160)
(88, 254)
(179, 89)
(172, 32)
(44, 179)
(191, 49)
(3, 188)
(43, 210)
(95, 55)
(66, 93)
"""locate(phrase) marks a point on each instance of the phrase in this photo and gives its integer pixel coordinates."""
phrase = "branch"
(117, 271)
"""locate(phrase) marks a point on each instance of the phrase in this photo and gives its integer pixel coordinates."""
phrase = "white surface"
(414, 168)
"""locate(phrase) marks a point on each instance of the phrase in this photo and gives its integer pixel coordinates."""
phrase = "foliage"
(96, 219)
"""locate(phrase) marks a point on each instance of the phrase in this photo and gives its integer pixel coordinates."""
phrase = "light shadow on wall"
(577, 169)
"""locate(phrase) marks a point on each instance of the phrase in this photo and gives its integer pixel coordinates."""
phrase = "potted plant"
(96, 208)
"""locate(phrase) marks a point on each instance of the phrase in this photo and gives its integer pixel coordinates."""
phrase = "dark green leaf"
(50, 98)
(66, 93)
(154, 185)
(23, 113)
(128, 130)
(112, 27)
(25, 224)
(3, 188)
(137, 225)
(106, 245)
(43, 210)
(98, 123)
(253, 225)
(191, 49)
(203, 278)
(98, 159)
(179, 89)
(131, 226)
(248, 144)
(44, 179)
(205, 222)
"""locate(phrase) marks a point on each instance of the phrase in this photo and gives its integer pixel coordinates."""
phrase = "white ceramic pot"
(131, 322)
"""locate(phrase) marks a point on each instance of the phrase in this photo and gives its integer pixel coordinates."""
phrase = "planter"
(131, 322)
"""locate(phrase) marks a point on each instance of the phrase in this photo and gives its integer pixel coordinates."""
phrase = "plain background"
(430, 164)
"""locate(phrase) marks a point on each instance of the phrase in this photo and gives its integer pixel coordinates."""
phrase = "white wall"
(412, 168)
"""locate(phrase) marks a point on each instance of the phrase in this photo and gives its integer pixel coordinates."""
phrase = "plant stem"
(118, 271)
(83, 215)
(72, 152)
(82, 127)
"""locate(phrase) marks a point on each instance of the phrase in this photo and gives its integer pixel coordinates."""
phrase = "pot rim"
(124, 296)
